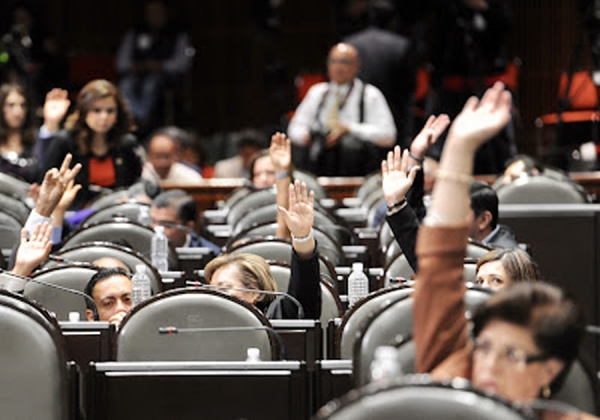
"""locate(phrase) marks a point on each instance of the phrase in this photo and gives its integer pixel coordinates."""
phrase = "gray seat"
(400, 267)
(357, 315)
(73, 276)
(89, 252)
(129, 211)
(250, 202)
(208, 314)
(33, 367)
(109, 198)
(10, 231)
(15, 207)
(392, 325)
(312, 183)
(540, 189)
(418, 397)
(279, 250)
(12, 186)
(127, 233)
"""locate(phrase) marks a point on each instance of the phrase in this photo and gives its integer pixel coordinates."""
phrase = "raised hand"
(300, 216)
(55, 108)
(34, 250)
(431, 131)
(480, 120)
(396, 179)
(280, 152)
(54, 185)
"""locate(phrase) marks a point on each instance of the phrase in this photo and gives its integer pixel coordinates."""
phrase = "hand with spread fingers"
(396, 179)
(56, 182)
(300, 216)
(34, 250)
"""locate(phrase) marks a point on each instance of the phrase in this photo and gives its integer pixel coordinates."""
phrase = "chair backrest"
(10, 230)
(399, 267)
(248, 203)
(108, 198)
(280, 250)
(60, 302)
(15, 207)
(33, 368)
(392, 325)
(539, 189)
(418, 397)
(129, 211)
(372, 182)
(207, 315)
(123, 232)
(357, 315)
(12, 186)
(89, 252)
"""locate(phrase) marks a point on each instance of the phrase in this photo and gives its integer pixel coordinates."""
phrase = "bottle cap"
(140, 268)
(253, 354)
(357, 266)
(386, 352)
(159, 229)
(74, 316)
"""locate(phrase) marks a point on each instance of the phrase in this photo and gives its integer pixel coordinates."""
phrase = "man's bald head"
(342, 63)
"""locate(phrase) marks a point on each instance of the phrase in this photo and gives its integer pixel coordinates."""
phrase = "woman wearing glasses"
(524, 338)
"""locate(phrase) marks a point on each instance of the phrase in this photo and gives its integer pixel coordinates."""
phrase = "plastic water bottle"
(140, 283)
(253, 354)
(160, 249)
(144, 216)
(358, 284)
(385, 366)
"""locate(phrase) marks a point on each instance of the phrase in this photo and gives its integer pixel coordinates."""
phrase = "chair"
(393, 324)
(127, 233)
(312, 183)
(540, 189)
(129, 211)
(400, 268)
(89, 252)
(33, 367)
(109, 198)
(73, 276)
(202, 319)
(280, 250)
(10, 231)
(355, 317)
(14, 187)
(418, 397)
(15, 207)
(250, 202)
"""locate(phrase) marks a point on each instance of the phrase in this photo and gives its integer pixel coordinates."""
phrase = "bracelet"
(421, 160)
(453, 176)
(282, 175)
(397, 204)
(307, 238)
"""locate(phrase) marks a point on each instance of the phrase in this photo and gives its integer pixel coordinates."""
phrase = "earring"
(546, 392)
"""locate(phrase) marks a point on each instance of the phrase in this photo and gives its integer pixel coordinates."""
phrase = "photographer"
(341, 127)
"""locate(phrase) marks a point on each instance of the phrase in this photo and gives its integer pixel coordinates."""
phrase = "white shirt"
(377, 126)
(179, 174)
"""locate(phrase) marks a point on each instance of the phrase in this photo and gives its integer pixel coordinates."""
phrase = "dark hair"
(251, 138)
(90, 93)
(101, 275)
(382, 14)
(483, 197)
(182, 202)
(262, 153)
(29, 129)
(178, 135)
(517, 263)
(554, 319)
(529, 162)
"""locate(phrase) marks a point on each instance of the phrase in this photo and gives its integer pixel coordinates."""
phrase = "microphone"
(175, 330)
(272, 306)
(61, 260)
(87, 297)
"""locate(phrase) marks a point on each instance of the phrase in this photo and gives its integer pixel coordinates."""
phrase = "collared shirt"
(488, 238)
(377, 126)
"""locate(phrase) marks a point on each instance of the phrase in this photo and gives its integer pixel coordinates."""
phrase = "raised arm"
(34, 250)
(280, 152)
(440, 326)
(305, 275)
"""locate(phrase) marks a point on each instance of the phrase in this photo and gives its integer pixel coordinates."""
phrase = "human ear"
(550, 369)
(89, 314)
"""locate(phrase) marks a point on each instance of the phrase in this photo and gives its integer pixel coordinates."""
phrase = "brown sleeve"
(440, 327)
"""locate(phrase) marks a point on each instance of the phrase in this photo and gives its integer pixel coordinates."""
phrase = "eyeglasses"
(344, 61)
(507, 356)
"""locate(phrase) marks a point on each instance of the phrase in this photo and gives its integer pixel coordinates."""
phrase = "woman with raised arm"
(98, 134)
(523, 339)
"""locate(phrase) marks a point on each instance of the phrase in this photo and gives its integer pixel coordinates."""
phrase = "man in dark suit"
(387, 61)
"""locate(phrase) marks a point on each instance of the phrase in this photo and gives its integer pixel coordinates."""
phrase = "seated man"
(110, 288)
(176, 211)
(248, 145)
(162, 165)
(343, 127)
